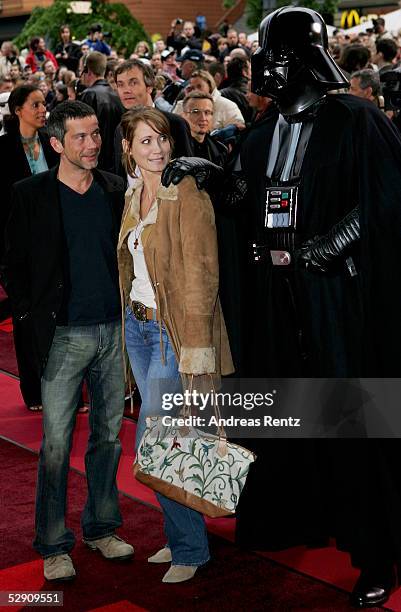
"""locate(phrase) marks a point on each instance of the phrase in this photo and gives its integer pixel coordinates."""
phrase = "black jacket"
(108, 109)
(15, 167)
(236, 92)
(180, 133)
(73, 52)
(212, 150)
(33, 267)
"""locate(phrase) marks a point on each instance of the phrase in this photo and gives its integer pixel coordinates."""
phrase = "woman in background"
(24, 150)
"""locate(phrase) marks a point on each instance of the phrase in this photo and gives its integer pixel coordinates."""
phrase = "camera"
(391, 89)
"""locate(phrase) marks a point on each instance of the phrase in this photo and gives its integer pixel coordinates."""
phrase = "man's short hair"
(235, 68)
(196, 95)
(96, 27)
(70, 109)
(147, 71)
(96, 63)
(388, 48)
(368, 78)
(354, 57)
(111, 66)
(217, 68)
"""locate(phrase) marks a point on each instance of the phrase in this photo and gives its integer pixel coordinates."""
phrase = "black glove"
(201, 169)
(235, 191)
(320, 252)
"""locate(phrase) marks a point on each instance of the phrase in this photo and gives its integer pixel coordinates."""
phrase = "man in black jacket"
(198, 110)
(62, 278)
(104, 101)
(135, 82)
(236, 88)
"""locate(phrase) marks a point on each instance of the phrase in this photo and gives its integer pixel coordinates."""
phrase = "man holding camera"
(95, 40)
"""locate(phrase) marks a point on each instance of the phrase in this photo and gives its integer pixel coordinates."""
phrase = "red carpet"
(18, 425)
(7, 353)
(234, 580)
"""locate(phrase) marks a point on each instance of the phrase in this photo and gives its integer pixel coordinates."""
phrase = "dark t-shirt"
(90, 258)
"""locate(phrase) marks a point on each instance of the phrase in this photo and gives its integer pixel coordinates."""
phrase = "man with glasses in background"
(198, 110)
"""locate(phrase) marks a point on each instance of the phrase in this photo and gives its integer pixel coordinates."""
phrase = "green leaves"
(254, 9)
(115, 18)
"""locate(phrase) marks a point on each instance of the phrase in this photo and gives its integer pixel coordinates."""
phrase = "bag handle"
(221, 432)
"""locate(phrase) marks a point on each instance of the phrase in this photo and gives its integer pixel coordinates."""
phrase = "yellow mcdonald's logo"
(349, 19)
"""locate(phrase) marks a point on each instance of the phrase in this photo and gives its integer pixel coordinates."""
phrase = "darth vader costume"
(316, 191)
(322, 219)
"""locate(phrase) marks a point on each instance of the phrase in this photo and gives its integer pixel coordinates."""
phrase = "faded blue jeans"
(92, 353)
(184, 528)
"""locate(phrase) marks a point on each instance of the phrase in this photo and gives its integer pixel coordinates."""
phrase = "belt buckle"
(280, 258)
(139, 311)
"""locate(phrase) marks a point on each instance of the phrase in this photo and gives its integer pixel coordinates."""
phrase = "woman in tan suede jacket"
(169, 277)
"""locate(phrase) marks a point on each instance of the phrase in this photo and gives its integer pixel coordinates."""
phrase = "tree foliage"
(115, 18)
(327, 8)
(254, 12)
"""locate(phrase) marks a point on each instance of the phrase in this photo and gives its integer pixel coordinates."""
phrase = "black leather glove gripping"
(201, 169)
(319, 252)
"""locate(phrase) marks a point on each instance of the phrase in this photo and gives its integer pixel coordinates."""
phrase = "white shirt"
(141, 289)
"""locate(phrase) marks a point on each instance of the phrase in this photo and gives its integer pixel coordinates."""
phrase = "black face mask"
(273, 72)
(293, 65)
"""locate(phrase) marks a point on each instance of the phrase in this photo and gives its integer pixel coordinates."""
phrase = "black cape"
(302, 491)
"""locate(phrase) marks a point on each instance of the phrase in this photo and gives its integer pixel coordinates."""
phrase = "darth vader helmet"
(293, 65)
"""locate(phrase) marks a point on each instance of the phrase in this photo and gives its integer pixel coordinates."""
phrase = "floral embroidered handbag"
(202, 471)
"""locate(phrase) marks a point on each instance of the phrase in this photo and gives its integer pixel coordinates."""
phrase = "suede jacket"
(180, 249)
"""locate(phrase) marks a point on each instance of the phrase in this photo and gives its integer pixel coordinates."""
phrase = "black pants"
(29, 377)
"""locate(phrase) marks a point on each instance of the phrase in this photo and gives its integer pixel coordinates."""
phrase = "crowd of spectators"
(224, 56)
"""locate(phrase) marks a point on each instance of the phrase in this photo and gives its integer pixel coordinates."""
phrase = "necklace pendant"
(136, 243)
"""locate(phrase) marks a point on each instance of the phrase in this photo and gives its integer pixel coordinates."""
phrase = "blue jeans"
(184, 528)
(92, 353)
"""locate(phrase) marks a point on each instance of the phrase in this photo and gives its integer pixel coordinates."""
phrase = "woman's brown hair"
(153, 118)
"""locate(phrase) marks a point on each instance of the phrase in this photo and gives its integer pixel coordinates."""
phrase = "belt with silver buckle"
(278, 257)
(143, 313)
